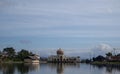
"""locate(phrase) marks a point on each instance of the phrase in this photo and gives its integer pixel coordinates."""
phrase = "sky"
(76, 26)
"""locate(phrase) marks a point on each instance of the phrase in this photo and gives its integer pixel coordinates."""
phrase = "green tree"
(0, 52)
(109, 54)
(99, 58)
(10, 51)
(23, 53)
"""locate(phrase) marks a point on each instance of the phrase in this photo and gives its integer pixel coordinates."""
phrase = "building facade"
(32, 59)
(61, 58)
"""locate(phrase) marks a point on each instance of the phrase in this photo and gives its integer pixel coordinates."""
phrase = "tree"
(108, 54)
(23, 54)
(10, 51)
(99, 58)
(118, 54)
(0, 52)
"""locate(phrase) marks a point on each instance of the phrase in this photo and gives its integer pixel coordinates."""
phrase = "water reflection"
(112, 69)
(26, 68)
(109, 69)
(60, 69)
(23, 68)
(7, 68)
(61, 66)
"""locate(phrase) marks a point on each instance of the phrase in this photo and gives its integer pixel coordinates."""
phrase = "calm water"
(56, 69)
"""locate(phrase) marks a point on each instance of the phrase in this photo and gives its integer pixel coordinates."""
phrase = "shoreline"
(12, 62)
(116, 64)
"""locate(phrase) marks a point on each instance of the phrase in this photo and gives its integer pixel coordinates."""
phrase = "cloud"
(97, 19)
(101, 49)
(110, 10)
(51, 32)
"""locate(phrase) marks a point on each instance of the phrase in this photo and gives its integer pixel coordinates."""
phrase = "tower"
(60, 55)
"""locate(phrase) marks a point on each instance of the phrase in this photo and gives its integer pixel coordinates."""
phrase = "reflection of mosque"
(60, 67)
(61, 58)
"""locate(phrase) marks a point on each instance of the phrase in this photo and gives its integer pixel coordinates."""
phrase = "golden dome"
(60, 51)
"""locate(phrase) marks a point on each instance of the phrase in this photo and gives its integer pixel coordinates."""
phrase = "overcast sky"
(51, 24)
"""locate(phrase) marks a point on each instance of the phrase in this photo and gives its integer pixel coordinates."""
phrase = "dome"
(60, 51)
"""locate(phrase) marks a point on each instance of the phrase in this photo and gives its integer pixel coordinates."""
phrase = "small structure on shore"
(61, 58)
(32, 59)
(114, 58)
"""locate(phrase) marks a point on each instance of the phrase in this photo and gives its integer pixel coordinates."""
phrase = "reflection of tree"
(25, 68)
(7, 68)
(21, 68)
(109, 69)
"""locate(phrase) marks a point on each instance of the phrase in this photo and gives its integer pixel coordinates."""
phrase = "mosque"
(61, 58)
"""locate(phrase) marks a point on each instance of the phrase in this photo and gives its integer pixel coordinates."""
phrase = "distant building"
(32, 59)
(61, 58)
(113, 58)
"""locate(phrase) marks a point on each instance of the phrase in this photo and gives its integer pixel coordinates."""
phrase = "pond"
(50, 68)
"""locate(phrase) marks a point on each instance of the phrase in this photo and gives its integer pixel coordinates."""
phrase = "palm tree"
(108, 54)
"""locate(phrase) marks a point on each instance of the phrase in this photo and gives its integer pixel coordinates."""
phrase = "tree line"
(9, 54)
(101, 58)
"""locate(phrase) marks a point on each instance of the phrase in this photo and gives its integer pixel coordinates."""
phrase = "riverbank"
(12, 62)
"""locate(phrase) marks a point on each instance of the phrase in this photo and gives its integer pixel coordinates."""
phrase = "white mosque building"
(61, 58)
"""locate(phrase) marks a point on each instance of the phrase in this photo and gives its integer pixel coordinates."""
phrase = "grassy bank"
(12, 62)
